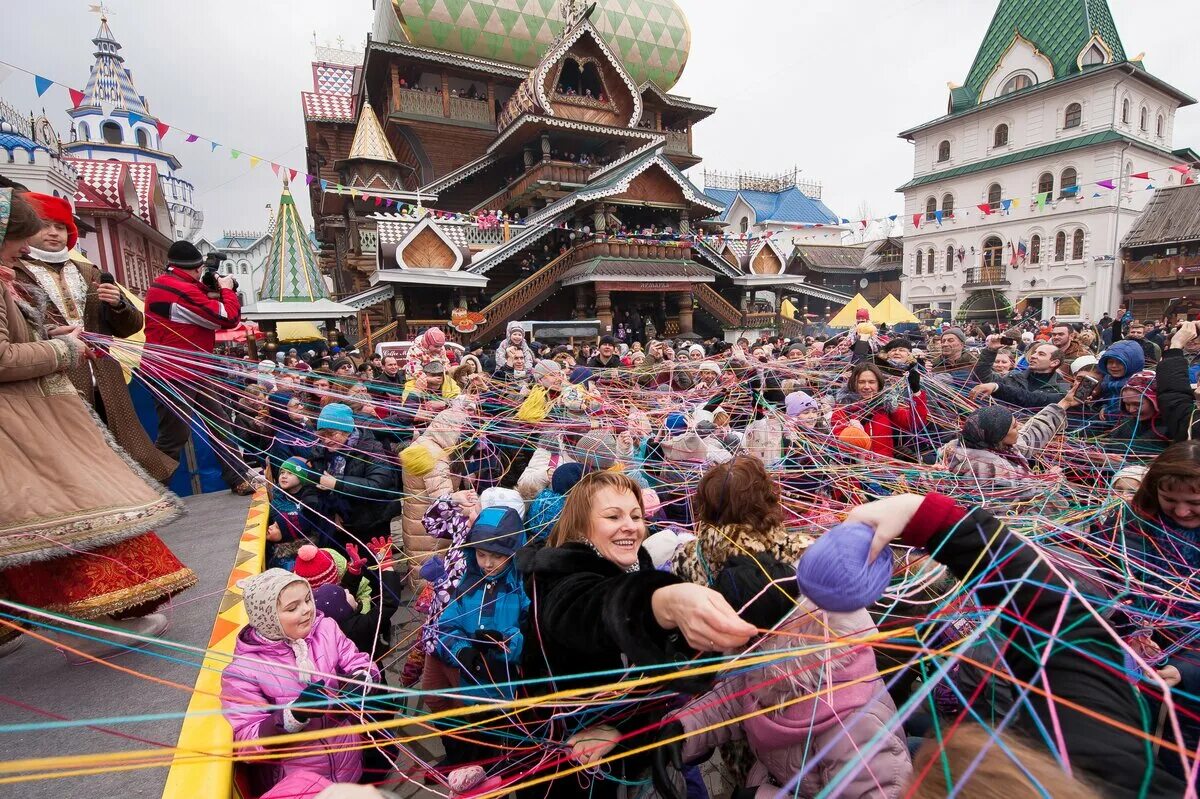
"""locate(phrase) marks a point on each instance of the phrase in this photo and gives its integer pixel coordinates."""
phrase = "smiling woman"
(601, 610)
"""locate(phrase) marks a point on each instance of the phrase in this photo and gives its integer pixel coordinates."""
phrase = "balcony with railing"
(1162, 269)
(620, 248)
(565, 173)
(678, 143)
(978, 277)
(410, 102)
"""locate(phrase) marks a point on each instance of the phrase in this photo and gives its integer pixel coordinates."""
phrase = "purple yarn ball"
(835, 574)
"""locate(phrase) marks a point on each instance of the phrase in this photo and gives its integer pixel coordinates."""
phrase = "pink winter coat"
(251, 685)
(827, 711)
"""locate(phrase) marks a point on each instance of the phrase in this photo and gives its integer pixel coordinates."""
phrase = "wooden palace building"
(513, 165)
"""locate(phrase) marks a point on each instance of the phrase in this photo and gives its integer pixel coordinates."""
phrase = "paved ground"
(38, 676)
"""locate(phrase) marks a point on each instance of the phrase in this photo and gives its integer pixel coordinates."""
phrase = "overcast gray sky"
(821, 85)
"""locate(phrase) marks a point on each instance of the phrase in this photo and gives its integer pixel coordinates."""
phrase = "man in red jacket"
(184, 313)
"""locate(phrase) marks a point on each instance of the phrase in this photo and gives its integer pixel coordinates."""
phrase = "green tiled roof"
(1103, 137)
(1058, 28)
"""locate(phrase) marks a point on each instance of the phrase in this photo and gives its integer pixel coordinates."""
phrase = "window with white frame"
(1000, 138)
(1073, 117)
(944, 151)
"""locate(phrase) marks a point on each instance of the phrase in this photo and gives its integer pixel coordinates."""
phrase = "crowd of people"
(862, 563)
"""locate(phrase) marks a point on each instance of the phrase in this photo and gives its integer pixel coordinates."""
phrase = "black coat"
(1176, 403)
(366, 494)
(976, 547)
(592, 618)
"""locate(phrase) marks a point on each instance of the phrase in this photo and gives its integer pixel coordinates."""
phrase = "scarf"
(45, 256)
(64, 287)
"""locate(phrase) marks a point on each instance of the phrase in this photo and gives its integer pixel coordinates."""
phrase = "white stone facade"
(1074, 285)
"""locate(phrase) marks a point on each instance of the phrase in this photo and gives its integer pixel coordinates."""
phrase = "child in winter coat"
(373, 600)
(833, 701)
(479, 632)
(289, 525)
(286, 662)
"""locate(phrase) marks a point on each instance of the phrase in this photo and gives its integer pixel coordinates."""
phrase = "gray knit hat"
(545, 367)
(597, 451)
(956, 332)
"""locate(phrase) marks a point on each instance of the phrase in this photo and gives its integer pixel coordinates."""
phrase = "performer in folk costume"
(76, 519)
(74, 295)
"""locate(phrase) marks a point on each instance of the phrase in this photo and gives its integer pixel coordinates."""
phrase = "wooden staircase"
(729, 316)
(524, 296)
(718, 306)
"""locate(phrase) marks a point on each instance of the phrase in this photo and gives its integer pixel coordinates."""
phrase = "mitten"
(312, 694)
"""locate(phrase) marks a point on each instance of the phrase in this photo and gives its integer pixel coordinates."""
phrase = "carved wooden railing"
(678, 143)
(618, 248)
(1169, 268)
(376, 335)
(717, 305)
(541, 172)
(410, 101)
(469, 110)
(512, 302)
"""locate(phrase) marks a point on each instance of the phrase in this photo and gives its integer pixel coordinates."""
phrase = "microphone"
(106, 277)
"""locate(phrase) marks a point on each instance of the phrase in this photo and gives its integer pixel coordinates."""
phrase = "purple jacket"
(825, 707)
(250, 686)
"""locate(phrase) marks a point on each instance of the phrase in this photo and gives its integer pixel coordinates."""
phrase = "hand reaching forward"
(703, 616)
(889, 517)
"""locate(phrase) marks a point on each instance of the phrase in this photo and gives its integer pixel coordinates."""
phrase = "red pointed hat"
(55, 209)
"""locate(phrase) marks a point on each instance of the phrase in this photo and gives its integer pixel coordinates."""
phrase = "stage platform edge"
(205, 731)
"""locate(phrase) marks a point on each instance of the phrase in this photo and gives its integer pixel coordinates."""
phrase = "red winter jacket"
(181, 314)
(881, 423)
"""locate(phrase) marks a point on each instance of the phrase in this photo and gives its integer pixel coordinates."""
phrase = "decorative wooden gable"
(427, 247)
(579, 79)
(766, 260)
(730, 257)
(654, 186)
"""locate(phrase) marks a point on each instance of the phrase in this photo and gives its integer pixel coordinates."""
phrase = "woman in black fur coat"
(601, 611)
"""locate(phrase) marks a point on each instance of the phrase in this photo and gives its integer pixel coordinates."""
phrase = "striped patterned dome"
(651, 37)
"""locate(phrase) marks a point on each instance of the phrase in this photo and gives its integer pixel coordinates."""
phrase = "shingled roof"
(1171, 216)
(1059, 29)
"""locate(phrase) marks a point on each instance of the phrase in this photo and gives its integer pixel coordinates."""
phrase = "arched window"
(1160, 126)
(85, 133)
(1035, 249)
(1074, 116)
(1060, 246)
(744, 224)
(1125, 110)
(994, 195)
(590, 80)
(143, 138)
(930, 209)
(950, 258)
(1001, 136)
(932, 262)
(1142, 120)
(1069, 182)
(1046, 183)
(1016, 83)
(944, 151)
(920, 261)
(111, 132)
(570, 78)
(947, 206)
(993, 252)
(1077, 245)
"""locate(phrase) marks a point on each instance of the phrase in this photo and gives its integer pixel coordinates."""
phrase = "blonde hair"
(575, 521)
(995, 774)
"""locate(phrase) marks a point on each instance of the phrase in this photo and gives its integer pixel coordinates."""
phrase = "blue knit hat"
(565, 477)
(497, 530)
(835, 572)
(336, 416)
